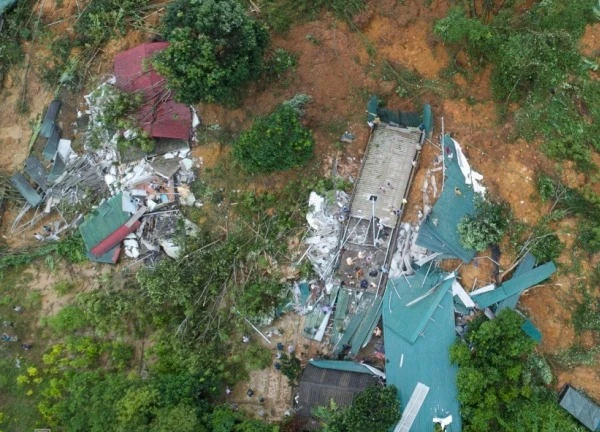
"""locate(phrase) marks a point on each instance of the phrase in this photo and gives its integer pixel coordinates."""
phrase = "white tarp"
(471, 177)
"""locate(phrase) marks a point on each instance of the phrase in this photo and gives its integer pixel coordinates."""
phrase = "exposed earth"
(340, 73)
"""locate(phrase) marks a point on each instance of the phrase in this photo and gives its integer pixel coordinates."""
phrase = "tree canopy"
(501, 381)
(486, 227)
(373, 409)
(215, 50)
(273, 143)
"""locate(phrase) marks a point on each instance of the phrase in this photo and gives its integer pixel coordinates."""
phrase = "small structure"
(325, 380)
(419, 329)
(580, 407)
(106, 227)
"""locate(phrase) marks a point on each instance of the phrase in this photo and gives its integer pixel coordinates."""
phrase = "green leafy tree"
(374, 409)
(215, 50)
(486, 227)
(501, 381)
(274, 143)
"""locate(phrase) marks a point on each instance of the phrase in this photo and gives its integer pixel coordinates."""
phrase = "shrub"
(274, 143)
(279, 62)
(69, 319)
(546, 245)
(215, 50)
(486, 227)
(588, 236)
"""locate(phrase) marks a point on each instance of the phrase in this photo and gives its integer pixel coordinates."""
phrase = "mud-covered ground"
(340, 73)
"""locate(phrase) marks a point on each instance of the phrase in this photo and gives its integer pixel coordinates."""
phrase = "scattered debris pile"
(137, 192)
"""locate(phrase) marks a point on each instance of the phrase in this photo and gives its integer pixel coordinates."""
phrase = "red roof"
(159, 115)
(114, 239)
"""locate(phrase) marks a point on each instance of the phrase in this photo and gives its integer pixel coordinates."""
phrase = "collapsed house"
(359, 253)
(389, 270)
(137, 193)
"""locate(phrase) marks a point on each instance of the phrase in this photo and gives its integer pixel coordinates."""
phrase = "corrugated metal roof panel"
(103, 221)
(515, 286)
(581, 407)
(26, 190)
(52, 143)
(50, 118)
(426, 361)
(341, 365)
(35, 170)
(318, 386)
(415, 303)
(438, 232)
(114, 239)
(524, 266)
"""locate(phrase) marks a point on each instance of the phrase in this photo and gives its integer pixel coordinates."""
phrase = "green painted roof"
(410, 320)
(581, 407)
(103, 221)
(438, 232)
(532, 331)
(524, 266)
(341, 365)
(427, 360)
(366, 326)
(26, 190)
(427, 118)
(515, 286)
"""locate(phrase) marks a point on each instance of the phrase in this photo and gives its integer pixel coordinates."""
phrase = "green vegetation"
(280, 15)
(486, 226)
(277, 142)
(216, 50)
(279, 63)
(576, 355)
(501, 381)
(537, 63)
(14, 30)
(373, 409)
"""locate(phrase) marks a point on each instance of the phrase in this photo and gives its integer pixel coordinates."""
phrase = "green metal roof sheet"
(52, 143)
(58, 167)
(103, 221)
(438, 231)
(26, 190)
(532, 331)
(365, 329)
(109, 257)
(411, 319)
(515, 286)
(581, 407)
(524, 266)
(427, 360)
(427, 118)
(35, 170)
(48, 123)
(341, 365)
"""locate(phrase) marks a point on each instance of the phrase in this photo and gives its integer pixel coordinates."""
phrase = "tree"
(486, 227)
(374, 409)
(215, 50)
(501, 382)
(274, 143)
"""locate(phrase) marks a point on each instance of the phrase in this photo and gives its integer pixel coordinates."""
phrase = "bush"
(486, 227)
(274, 143)
(69, 319)
(279, 62)
(588, 236)
(546, 245)
(215, 50)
